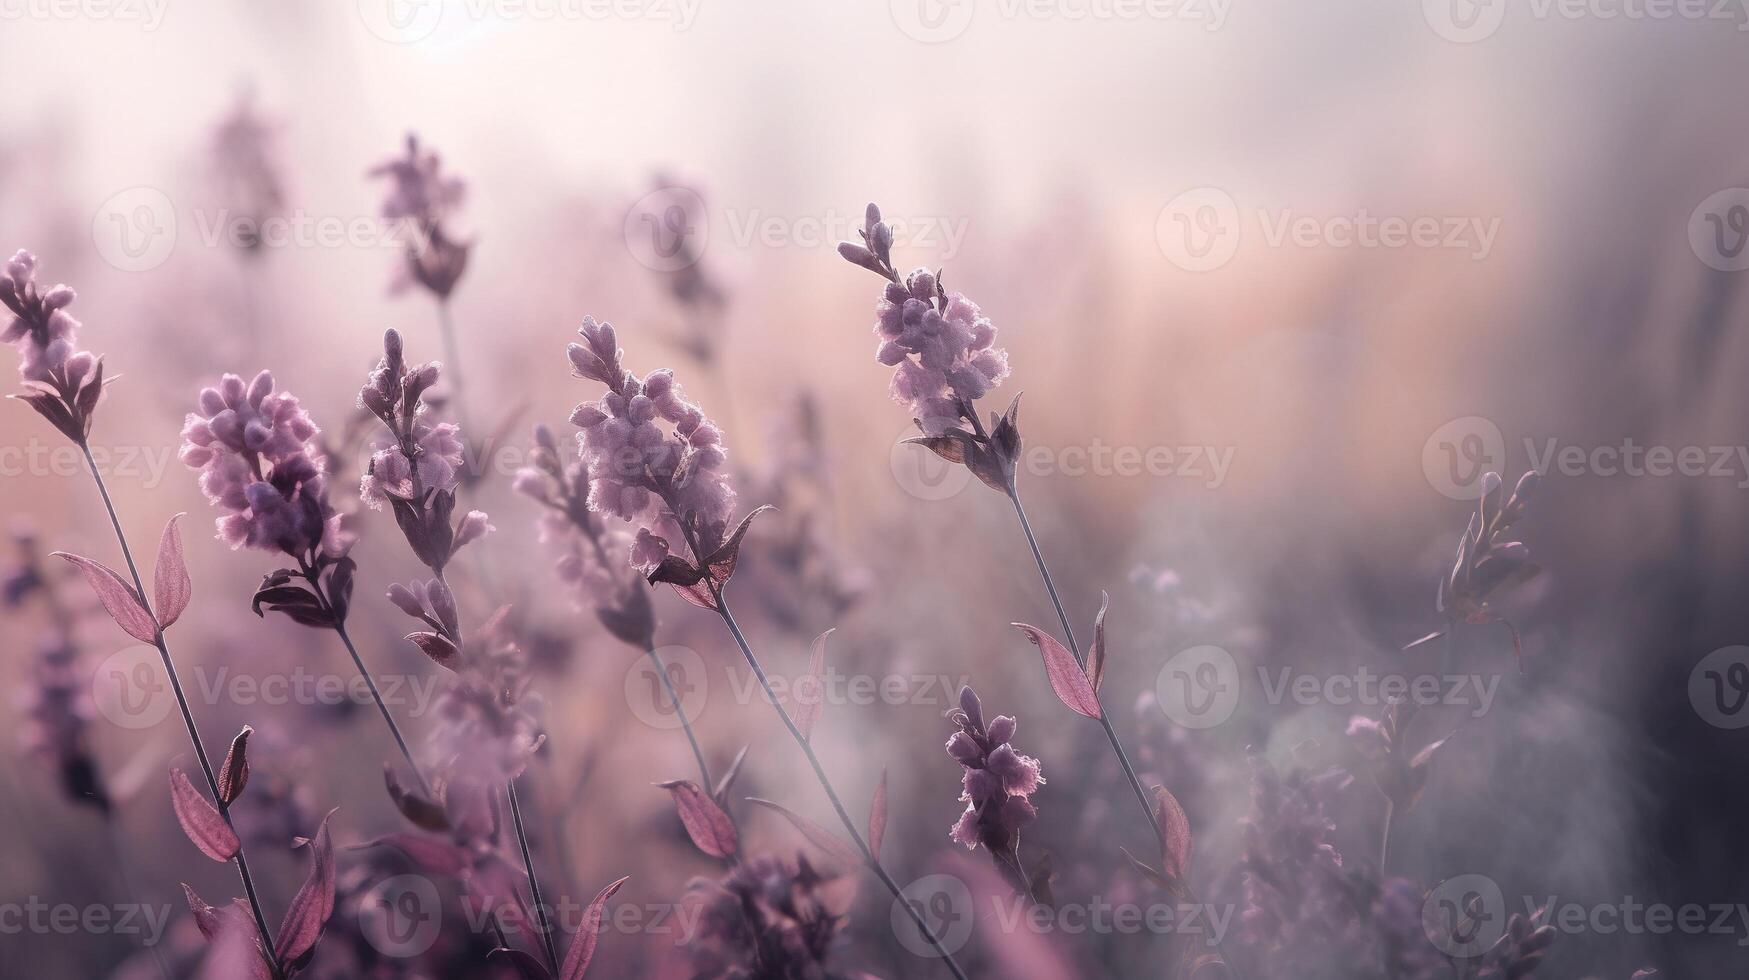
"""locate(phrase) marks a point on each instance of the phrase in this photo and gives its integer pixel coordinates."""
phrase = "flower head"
(64, 382)
(651, 457)
(258, 463)
(244, 161)
(997, 784)
(941, 346)
(424, 198)
(416, 464)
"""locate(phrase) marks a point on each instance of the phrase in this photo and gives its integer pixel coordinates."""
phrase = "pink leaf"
(1174, 828)
(171, 587)
(312, 905)
(1096, 653)
(235, 951)
(234, 774)
(1067, 678)
(706, 823)
(839, 852)
(200, 820)
(119, 598)
(809, 694)
(205, 916)
(877, 816)
(583, 945)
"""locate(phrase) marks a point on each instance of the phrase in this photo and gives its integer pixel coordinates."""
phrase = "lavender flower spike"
(421, 195)
(996, 788)
(62, 382)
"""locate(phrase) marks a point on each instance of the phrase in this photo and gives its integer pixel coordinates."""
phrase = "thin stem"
(376, 695)
(1385, 836)
(452, 351)
(1074, 647)
(801, 740)
(540, 915)
(704, 769)
(206, 766)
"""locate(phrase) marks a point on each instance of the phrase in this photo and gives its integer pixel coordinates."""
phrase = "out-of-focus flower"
(1488, 563)
(651, 457)
(62, 383)
(1400, 773)
(997, 786)
(766, 918)
(423, 198)
(259, 466)
(247, 171)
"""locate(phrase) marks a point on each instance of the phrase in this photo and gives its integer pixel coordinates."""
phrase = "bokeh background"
(1112, 189)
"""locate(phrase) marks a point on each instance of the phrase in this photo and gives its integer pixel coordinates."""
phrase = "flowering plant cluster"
(61, 382)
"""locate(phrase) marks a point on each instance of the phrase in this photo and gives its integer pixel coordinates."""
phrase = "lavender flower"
(244, 161)
(422, 196)
(671, 482)
(584, 544)
(940, 344)
(766, 918)
(259, 466)
(997, 785)
(62, 382)
(415, 468)
(1488, 564)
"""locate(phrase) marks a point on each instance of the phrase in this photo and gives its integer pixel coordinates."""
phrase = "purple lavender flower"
(585, 546)
(424, 198)
(56, 701)
(258, 465)
(943, 352)
(940, 344)
(62, 382)
(670, 481)
(417, 463)
(767, 918)
(996, 788)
